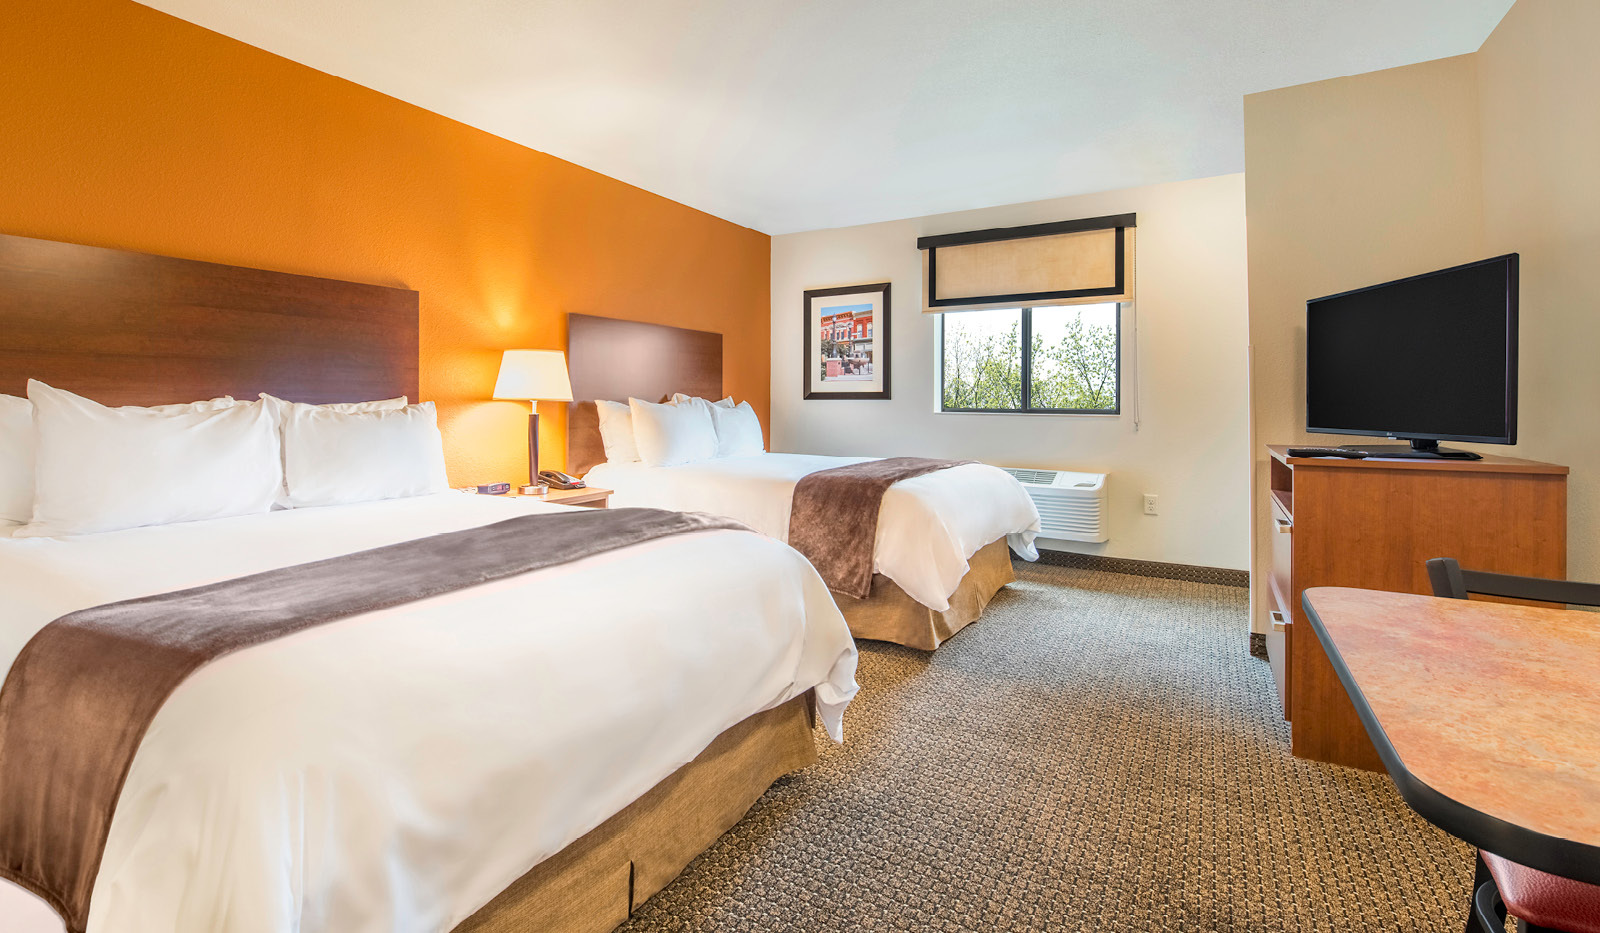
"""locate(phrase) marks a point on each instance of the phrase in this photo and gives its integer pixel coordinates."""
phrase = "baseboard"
(1146, 568)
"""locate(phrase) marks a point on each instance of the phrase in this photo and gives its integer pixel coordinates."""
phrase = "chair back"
(1451, 582)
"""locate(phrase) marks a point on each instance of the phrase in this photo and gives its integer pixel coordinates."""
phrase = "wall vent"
(1072, 506)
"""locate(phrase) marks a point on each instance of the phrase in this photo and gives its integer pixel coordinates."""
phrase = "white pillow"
(678, 398)
(104, 469)
(334, 457)
(16, 459)
(671, 434)
(616, 431)
(17, 450)
(738, 431)
(280, 407)
(280, 411)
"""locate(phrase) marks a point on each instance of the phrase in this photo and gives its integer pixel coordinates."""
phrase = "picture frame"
(846, 340)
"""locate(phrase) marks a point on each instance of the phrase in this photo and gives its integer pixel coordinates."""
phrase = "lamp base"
(533, 444)
(533, 489)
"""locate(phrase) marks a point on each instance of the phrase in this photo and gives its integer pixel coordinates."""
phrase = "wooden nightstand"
(589, 496)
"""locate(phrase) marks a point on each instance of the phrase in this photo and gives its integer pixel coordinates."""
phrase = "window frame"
(1027, 371)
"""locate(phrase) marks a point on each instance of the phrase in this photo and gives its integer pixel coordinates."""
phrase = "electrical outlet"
(1149, 503)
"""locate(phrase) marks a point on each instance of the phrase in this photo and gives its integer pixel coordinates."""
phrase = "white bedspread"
(395, 770)
(929, 525)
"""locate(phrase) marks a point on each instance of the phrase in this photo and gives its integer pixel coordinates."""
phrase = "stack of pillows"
(71, 466)
(683, 430)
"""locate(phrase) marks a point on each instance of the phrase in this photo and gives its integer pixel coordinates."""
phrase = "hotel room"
(477, 467)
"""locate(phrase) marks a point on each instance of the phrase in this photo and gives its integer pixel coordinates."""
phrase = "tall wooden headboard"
(619, 360)
(127, 328)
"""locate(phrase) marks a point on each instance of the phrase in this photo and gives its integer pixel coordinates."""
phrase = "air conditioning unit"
(1072, 506)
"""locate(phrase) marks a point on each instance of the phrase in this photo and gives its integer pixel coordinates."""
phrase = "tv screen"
(1429, 357)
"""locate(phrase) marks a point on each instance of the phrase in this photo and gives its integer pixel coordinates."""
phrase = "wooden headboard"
(128, 328)
(619, 360)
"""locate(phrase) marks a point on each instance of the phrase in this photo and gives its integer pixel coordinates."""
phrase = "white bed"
(396, 770)
(927, 530)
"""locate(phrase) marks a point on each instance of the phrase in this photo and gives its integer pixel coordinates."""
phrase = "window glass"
(983, 360)
(1074, 364)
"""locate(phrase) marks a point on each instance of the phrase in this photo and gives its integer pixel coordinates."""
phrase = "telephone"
(556, 479)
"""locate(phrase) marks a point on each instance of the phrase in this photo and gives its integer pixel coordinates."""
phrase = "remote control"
(1327, 452)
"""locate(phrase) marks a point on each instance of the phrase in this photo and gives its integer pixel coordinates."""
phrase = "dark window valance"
(1062, 263)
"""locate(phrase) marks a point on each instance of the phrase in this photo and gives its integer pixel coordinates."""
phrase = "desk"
(1486, 715)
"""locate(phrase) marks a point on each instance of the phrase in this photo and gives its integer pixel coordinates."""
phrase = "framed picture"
(847, 342)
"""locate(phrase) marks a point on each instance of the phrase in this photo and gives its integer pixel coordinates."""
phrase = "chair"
(1539, 900)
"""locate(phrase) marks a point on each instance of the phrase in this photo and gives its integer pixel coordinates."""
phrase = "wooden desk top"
(1487, 715)
(1491, 463)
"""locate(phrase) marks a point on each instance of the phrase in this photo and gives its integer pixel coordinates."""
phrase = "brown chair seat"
(1545, 900)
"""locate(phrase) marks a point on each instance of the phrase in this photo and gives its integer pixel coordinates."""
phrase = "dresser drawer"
(1280, 596)
(1278, 657)
(1282, 560)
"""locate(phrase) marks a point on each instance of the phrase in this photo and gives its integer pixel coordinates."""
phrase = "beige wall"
(1190, 445)
(1358, 180)
(1539, 83)
(1348, 182)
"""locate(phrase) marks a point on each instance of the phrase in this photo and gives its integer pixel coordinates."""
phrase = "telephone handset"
(556, 479)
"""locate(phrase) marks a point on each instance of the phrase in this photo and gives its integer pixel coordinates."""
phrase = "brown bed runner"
(83, 691)
(833, 519)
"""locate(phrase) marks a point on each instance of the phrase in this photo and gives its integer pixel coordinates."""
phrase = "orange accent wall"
(124, 127)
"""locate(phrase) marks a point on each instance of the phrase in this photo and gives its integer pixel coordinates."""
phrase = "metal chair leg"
(1487, 908)
(1477, 920)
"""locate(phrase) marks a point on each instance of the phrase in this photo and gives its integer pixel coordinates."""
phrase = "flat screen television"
(1426, 359)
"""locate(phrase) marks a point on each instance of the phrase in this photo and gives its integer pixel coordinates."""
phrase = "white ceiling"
(788, 115)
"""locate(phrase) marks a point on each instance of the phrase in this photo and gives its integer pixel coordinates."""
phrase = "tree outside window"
(1072, 363)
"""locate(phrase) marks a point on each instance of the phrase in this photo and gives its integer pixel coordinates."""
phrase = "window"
(1072, 363)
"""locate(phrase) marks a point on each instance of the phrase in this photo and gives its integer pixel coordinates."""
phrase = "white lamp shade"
(540, 375)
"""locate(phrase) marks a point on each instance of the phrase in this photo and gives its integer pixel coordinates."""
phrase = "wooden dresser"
(1372, 524)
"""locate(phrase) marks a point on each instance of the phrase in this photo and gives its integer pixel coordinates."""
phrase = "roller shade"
(1069, 262)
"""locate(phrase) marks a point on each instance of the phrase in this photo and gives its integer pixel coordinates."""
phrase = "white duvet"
(395, 770)
(927, 529)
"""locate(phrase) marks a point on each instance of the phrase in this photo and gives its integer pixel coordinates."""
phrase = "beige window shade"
(1074, 262)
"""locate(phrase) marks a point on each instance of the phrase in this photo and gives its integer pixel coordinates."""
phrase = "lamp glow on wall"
(534, 376)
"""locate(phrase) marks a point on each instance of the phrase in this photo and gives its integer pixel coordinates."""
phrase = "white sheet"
(396, 770)
(929, 526)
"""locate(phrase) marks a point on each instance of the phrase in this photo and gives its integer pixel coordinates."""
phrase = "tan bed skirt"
(594, 884)
(889, 614)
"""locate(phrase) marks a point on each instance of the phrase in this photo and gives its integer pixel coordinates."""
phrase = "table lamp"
(537, 376)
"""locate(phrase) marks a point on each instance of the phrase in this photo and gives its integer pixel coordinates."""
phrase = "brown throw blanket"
(83, 691)
(833, 520)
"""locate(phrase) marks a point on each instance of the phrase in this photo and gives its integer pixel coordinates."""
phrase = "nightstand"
(589, 496)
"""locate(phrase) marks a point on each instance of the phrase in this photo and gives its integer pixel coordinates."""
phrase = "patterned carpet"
(1099, 752)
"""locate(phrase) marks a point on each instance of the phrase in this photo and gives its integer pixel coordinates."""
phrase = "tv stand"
(1418, 449)
(1374, 524)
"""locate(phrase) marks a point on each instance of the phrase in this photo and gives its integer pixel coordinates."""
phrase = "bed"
(943, 540)
(545, 750)
(444, 796)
